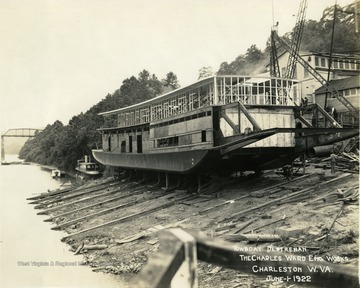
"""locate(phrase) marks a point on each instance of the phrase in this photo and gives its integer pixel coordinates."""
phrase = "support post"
(199, 182)
(166, 181)
(159, 179)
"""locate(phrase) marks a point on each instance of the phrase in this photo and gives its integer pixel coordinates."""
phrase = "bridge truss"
(17, 132)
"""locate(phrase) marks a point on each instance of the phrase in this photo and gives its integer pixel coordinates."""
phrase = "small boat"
(56, 173)
(88, 167)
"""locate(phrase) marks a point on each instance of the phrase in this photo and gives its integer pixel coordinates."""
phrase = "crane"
(296, 40)
(294, 57)
(295, 45)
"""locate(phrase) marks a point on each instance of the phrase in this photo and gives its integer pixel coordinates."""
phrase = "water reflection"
(32, 255)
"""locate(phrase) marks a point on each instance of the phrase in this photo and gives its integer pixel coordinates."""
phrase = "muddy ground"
(306, 220)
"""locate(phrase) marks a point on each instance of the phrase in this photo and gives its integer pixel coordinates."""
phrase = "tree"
(62, 146)
(205, 72)
(317, 35)
(253, 55)
(171, 81)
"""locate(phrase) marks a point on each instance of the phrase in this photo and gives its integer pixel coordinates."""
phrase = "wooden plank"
(272, 202)
(46, 196)
(125, 218)
(108, 210)
(223, 204)
(253, 237)
(163, 265)
(89, 206)
(148, 232)
(49, 194)
(69, 197)
(264, 225)
(268, 189)
(245, 224)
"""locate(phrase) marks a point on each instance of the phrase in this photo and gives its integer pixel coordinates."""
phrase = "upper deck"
(211, 91)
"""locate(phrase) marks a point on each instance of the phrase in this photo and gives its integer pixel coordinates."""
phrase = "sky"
(60, 57)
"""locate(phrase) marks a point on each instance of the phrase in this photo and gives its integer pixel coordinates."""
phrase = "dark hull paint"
(225, 159)
(178, 162)
(204, 160)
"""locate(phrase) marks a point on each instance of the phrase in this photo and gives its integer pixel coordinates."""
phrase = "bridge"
(17, 132)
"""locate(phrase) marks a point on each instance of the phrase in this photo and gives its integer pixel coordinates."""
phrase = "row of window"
(174, 141)
(337, 63)
(182, 119)
(352, 91)
(179, 104)
(227, 89)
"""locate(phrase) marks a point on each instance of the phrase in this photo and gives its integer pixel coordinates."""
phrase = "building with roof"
(350, 88)
(343, 66)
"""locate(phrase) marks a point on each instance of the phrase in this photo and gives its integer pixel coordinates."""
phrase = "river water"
(32, 255)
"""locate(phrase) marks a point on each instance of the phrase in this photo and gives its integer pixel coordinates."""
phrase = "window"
(203, 136)
(316, 61)
(347, 65)
(167, 142)
(139, 143)
(323, 62)
(336, 64)
(130, 144)
(123, 147)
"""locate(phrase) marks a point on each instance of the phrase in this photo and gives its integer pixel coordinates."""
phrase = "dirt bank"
(114, 224)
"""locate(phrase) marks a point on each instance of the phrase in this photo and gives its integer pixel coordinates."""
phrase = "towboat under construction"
(218, 124)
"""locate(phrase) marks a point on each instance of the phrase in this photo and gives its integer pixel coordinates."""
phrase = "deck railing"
(174, 264)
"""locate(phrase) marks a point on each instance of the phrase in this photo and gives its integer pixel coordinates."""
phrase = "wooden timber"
(286, 197)
(46, 211)
(108, 210)
(91, 206)
(127, 218)
(69, 197)
(267, 189)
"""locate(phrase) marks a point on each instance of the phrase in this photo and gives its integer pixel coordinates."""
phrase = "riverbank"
(114, 224)
(31, 254)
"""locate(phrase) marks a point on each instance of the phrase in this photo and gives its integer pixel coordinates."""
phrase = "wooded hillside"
(62, 145)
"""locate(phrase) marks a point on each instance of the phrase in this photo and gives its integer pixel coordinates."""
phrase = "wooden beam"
(90, 206)
(256, 126)
(164, 264)
(70, 197)
(127, 218)
(108, 210)
(230, 122)
(46, 211)
(268, 189)
(303, 120)
(46, 196)
(275, 201)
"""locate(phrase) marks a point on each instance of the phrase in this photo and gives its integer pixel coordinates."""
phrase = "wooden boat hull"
(223, 158)
(179, 162)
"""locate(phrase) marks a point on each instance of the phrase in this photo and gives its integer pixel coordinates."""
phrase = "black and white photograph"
(179, 143)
